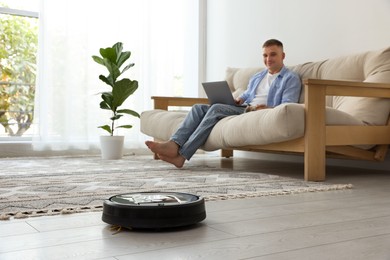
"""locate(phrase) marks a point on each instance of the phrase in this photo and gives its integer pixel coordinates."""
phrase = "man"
(271, 87)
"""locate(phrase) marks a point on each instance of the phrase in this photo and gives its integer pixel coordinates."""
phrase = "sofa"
(343, 112)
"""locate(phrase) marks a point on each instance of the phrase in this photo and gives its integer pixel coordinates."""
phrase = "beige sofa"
(344, 112)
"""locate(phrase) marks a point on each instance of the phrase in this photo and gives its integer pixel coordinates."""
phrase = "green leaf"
(128, 111)
(124, 126)
(106, 80)
(104, 105)
(98, 59)
(107, 101)
(107, 128)
(122, 90)
(109, 54)
(116, 117)
(122, 57)
(107, 95)
(127, 67)
(117, 47)
(113, 70)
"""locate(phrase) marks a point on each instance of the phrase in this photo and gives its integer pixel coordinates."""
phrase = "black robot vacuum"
(154, 210)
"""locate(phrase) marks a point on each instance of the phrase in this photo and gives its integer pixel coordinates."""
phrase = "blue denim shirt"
(286, 88)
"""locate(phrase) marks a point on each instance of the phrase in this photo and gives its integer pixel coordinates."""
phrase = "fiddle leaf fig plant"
(113, 58)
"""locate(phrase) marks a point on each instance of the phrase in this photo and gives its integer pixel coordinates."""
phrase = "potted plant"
(113, 58)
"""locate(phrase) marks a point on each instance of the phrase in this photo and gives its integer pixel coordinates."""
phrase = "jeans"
(197, 126)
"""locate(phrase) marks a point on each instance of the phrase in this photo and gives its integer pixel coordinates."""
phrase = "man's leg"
(188, 126)
(168, 148)
(215, 113)
(178, 160)
(200, 135)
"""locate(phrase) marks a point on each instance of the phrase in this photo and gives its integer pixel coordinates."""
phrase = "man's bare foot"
(178, 160)
(168, 148)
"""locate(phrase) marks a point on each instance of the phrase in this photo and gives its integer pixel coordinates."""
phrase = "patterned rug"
(60, 185)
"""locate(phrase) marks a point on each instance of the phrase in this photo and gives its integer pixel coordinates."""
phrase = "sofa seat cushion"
(282, 123)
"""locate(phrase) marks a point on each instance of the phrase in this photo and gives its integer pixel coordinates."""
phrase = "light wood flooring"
(348, 224)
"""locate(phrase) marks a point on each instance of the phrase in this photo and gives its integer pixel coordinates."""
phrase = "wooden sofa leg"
(315, 133)
(226, 153)
(314, 168)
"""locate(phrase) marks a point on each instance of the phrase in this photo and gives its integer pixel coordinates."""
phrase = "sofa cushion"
(375, 67)
(161, 124)
(371, 111)
(238, 79)
(282, 123)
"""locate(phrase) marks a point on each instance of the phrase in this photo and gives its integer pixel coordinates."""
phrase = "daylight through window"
(18, 57)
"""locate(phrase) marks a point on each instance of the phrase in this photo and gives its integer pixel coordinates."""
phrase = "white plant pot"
(111, 147)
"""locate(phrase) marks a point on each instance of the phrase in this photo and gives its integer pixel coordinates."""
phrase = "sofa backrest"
(370, 66)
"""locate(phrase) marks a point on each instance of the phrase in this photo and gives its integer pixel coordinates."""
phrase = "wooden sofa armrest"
(317, 89)
(315, 129)
(350, 88)
(165, 102)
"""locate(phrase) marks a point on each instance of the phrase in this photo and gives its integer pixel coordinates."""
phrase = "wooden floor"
(349, 224)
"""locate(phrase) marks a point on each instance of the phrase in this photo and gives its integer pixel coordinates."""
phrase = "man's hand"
(258, 107)
(239, 101)
(255, 108)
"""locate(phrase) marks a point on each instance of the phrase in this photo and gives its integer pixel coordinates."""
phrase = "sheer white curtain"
(165, 54)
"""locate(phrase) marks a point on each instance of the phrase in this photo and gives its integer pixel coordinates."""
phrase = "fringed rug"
(60, 185)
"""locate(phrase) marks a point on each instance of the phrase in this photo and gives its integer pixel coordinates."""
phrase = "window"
(163, 39)
(18, 56)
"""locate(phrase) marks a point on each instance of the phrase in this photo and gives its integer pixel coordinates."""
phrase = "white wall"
(311, 30)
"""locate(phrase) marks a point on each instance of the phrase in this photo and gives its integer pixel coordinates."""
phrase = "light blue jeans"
(197, 126)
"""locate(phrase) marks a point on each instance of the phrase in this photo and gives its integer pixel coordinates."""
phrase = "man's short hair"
(273, 42)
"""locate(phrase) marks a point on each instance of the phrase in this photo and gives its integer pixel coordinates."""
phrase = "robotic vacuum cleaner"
(154, 210)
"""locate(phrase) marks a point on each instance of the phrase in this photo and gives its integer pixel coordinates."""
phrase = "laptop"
(218, 92)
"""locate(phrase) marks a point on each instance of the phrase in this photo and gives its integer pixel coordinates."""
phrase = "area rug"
(60, 185)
